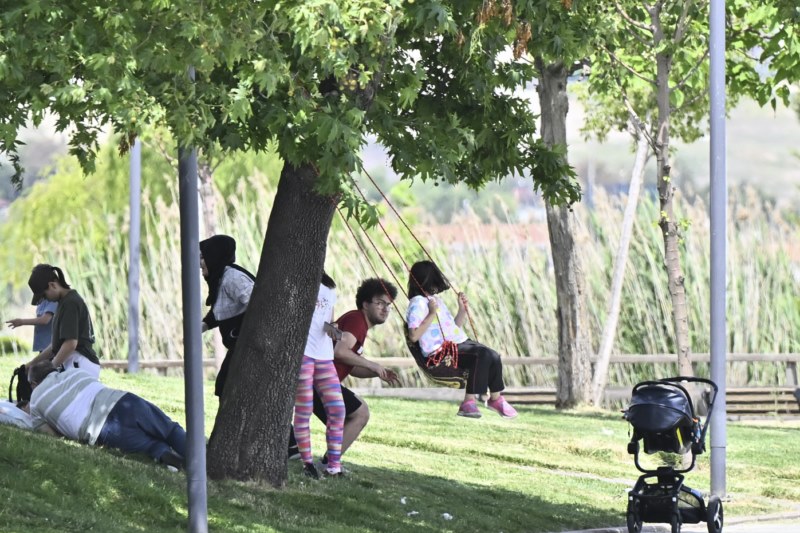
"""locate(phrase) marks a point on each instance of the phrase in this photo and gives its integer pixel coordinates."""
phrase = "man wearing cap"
(72, 342)
(81, 408)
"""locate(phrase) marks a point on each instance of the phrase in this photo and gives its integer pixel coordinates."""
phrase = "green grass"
(545, 471)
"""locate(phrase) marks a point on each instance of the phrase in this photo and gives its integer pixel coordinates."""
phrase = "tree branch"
(627, 67)
(634, 117)
(678, 86)
(691, 102)
(629, 19)
(682, 24)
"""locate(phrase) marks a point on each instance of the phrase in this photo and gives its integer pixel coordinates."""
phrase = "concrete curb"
(663, 528)
(623, 529)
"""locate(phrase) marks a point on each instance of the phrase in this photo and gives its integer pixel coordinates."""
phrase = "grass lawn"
(415, 462)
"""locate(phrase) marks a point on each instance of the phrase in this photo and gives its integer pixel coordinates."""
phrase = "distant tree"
(653, 56)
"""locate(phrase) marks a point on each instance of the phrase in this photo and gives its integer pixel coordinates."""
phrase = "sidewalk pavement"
(780, 523)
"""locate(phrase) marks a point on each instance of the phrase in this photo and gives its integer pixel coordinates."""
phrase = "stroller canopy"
(659, 407)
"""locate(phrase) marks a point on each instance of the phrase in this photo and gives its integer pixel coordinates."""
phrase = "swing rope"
(366, 256)
(448, 352)
(383, 229)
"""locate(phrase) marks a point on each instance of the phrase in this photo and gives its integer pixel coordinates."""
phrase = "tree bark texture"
(574, 348)
(600, 378)
(667, 222)
(251, 431)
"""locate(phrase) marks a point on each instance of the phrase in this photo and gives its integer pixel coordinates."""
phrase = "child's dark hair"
(373, 287)
(328, 281)
(425, 279)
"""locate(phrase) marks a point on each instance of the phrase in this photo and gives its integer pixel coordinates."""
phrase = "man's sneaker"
(469, 408)
(294, 452)
(501, 407)
(310, 470)
(173, 459)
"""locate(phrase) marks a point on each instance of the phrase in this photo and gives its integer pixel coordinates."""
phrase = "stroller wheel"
(714, 515)
(675, 523)
(634, 517)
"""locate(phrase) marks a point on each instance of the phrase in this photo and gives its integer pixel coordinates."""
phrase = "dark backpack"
(23, 386)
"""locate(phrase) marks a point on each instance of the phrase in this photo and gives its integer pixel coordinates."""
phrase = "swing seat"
(441, 374)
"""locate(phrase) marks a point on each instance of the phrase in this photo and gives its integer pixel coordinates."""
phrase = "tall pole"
(719, 206)
(192, 342)
(134, 239)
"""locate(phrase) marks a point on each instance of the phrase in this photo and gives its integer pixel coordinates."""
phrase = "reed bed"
(507, 276)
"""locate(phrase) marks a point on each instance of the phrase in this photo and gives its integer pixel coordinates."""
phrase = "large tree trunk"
(667, 223)
(250, 435)
(620, 260)
(574, 367)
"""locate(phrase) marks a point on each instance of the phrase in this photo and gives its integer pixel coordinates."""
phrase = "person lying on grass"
(76, 405)
(432, 325)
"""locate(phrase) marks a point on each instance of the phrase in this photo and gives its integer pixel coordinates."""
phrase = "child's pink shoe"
(502, 407)
(469, 408)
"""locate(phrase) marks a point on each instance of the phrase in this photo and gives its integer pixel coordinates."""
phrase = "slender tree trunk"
(574, 367)
(620, 260)
(667, 223)
(250, 435)
(208, 203)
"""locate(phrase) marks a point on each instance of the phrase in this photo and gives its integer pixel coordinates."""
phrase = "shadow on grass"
(50, 484)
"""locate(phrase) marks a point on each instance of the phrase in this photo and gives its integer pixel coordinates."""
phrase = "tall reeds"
(507, 275)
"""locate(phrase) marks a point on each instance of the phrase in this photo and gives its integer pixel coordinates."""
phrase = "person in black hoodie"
(229, 289)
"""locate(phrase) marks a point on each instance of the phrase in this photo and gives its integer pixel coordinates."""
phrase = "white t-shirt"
(319, 345)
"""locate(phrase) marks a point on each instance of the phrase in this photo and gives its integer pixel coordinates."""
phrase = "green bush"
(13, 346)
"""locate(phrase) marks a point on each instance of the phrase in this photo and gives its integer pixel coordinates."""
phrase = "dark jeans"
(135, 425)
(485, 368)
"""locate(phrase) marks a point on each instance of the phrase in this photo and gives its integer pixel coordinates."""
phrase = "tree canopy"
(441, 93)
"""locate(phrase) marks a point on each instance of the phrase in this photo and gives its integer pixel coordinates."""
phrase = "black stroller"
(662, 415)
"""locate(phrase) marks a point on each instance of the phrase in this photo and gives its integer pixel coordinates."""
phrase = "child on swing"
(317, 372)
(432, 325)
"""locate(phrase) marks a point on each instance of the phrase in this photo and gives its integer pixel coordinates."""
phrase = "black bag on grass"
(23, 389)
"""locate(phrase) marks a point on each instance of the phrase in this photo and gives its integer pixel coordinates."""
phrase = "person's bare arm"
(48, 430)
(461, 316)
(44, 355)
(360, 372)
(37, 321)
(362, 367)
(416, 334)
(67, 347)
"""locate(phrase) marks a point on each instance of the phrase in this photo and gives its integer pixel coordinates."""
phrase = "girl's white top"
(440, 330)
(319, 345)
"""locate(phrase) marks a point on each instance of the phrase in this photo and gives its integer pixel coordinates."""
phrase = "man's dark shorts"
(351, 404)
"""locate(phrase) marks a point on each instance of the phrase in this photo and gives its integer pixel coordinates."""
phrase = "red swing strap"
(446, 355)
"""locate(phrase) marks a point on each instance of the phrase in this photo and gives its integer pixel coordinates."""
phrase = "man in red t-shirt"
(373, 302)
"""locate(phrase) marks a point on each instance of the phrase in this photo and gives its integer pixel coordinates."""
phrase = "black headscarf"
(219, 252)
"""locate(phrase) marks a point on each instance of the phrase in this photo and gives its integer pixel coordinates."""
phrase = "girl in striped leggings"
(317, 371)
